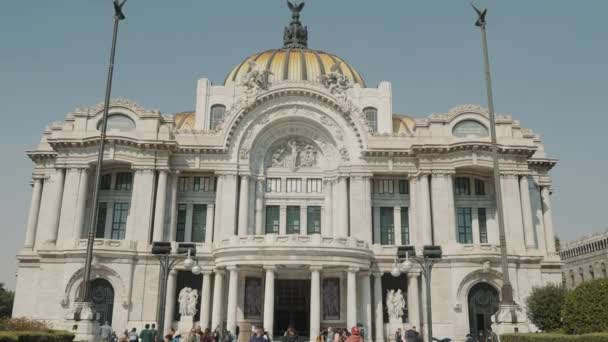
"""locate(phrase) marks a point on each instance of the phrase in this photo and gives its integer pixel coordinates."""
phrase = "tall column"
(259, 207)
(413, 299)
(227, 211)
(32, 218)
(397, 225)
(173, 224)
(159, 209)
(269, 300)
(55, 206)
(526, 212)
(327, 221)
(415, 234)
(218, 211)
(315, 302)
(342, 207)
(232, 299)
(282, 220)
(376, 227)
(218, 298)
(514, 230)
(170, 299)
(548, 220)
(443, 209)
(209, 224)
(205, 300)
(366, 303)
(424, 205)
(379, 312)
(81, 206)
(140, 213)
(360, 208)
(244, 205)
(351, 297)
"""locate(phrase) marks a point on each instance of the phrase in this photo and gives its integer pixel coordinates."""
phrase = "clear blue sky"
(548, 59)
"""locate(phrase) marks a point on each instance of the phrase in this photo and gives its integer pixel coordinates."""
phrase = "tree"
(545, 305)
(586, 308)
(6, 301)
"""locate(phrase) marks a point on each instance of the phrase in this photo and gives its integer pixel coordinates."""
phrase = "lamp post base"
(509, 319)
(81, 321)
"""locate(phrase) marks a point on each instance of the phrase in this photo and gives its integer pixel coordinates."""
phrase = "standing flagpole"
(508, 316)
(118, 16)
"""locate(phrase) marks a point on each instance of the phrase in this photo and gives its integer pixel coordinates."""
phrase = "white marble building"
(584, 259)
(297, 182)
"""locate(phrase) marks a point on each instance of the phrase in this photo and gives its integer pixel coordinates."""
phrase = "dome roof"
(294, 61)
(294, 64)
(403, 125)
(184, 120)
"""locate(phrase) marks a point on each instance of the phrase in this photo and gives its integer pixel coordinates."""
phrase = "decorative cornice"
(59, 143)
(124, 103)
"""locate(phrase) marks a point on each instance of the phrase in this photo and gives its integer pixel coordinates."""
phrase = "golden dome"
(295, 64)
(184, 120)
(403, 125)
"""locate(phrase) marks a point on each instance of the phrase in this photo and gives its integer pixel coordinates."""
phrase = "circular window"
(470, 128)
(118, 122)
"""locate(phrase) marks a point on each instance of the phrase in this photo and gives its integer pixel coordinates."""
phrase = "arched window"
(591, 272)
(118, 122)
(217, 116)
(371, 115)
(470, 128)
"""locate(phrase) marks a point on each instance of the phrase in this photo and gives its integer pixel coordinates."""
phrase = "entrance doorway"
(483, 303)
(291, 306)
(102, 296)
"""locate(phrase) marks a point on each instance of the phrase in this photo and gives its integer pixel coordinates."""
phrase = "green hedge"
(586, 308)
(598, 337)
(36, 336)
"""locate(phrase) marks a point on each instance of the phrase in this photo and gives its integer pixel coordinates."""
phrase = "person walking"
(355, 335)
(398, 335)
(105, 331)
(133, 337)
(155, 336)
(146, 335)
(124, 337)
(291, 335)
(259, 335)
(411, 335)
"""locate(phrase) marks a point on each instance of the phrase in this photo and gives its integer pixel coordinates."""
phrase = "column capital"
(413, 274)
(226, 173)
(210, 205)
(219, 271)
(245, 175)
(270, 267)
(206, 272)
(378, 274)
(232, 268)
(173, 273)
(353, 269)
(316, 268)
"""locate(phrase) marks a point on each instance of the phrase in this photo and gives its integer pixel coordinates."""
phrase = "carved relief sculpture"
(294, 154)
(187, 301)
(395, 305)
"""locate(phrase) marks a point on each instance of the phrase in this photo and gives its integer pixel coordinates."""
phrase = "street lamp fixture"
(430, 256)
(167, 262)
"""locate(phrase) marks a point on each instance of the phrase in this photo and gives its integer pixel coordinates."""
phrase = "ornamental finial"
(295, 35)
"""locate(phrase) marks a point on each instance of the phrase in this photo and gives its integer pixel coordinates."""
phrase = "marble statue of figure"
(395, 304)
(255, 79)
(182, 299)
(187, 301)
(335, 81)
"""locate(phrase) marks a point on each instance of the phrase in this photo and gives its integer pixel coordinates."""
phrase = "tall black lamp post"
(185, 252)
(430, 256)
(85, 294)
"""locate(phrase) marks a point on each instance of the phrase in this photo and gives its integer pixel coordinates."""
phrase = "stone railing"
(107, 244)
(274, 240)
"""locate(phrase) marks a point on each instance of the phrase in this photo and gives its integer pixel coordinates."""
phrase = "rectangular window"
(272, 219)
(273, 184)
(314, 185)
(384, 186)
(404, 187)
(387, 226)
(293, 220)
(124, 181)
(465, 225)
(293, 184)
(480, 187)
(462, 186)
(203, 184)
(405, 226)
(182, 184)
(199, 220)
(313, 220)
(102, 212)
(483, 227)
(180, 235)
(119, 221)
(106, 182)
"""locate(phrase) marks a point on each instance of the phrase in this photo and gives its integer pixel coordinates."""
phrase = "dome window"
(470, 128)
(371, 115)
(216, 116)
(118, 122)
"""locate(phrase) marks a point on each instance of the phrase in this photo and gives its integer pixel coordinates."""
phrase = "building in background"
(584, 259)
(297, 182)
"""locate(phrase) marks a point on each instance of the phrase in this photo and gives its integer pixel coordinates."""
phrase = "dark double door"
(291, 306)
(483, 303)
